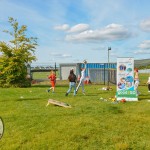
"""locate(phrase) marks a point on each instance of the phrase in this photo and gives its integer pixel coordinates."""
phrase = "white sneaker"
(148, 91)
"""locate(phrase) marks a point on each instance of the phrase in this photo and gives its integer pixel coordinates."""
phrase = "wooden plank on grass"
(58, 103)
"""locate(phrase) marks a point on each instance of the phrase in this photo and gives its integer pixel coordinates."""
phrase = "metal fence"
(102, 75)
(144, 71)
(99, 73)
(113, 76)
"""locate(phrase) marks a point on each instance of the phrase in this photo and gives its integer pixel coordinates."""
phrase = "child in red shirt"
(52, 78)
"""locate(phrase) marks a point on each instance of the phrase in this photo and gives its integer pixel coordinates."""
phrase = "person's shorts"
(53, 83)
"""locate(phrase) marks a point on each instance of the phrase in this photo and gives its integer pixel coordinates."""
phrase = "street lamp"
(109, 48)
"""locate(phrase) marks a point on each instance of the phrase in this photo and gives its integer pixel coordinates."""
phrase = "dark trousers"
(149, 87)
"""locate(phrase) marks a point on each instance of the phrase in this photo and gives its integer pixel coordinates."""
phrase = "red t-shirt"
(52, 77)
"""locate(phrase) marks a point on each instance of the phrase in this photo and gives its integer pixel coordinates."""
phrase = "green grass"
(43, 75)
(143, 63)
(40, 75)
(143, 78)
(91, 123)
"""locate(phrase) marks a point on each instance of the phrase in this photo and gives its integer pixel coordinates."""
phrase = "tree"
(15, 55)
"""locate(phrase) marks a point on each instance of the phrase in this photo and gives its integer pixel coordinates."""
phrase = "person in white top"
(81, 82)
(136, 81)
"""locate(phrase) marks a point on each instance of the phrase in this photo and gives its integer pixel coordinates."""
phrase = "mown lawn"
(91, 123)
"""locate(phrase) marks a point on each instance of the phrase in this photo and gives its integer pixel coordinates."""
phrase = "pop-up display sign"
(125, 79)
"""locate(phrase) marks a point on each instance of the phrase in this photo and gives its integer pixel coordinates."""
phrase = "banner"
(125, 79)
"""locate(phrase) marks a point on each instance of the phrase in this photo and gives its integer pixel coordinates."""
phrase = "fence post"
(55, 68)
(104, 74)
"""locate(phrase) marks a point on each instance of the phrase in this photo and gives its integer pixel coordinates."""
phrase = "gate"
(98, 75)
(112, 76)
(102, 75)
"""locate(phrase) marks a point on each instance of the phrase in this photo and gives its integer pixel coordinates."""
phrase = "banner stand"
(125, 79)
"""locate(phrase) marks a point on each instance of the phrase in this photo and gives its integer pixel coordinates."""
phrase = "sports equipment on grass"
(58, 103)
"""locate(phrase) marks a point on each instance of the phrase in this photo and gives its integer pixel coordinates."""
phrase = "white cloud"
(110, 33)
(145, 25)
(144, 48)
(79, 28)
(145, 45)
(142, 52)
(59, 55)
(66, 56)
(76, 28)
(63, 27)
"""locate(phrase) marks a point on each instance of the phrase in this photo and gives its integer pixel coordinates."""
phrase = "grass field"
(91, 123)
(43, 75)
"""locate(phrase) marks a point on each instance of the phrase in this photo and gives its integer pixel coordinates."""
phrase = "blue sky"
(70, 31)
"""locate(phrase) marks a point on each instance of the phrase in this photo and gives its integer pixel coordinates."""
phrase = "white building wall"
(65, 71)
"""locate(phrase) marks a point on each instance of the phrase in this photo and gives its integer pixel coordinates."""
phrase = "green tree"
(15, 55)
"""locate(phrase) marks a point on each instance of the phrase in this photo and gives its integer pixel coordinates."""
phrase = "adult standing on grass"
(72, 82)
(136, 81)
(52, 78)
(148, 82)
(81, 82)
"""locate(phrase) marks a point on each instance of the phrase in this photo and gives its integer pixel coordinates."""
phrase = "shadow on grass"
(47, 86)
(21, 99)
(41, 86)
(114, 110)
(29, 99)
(143, 97)
(86, 94)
